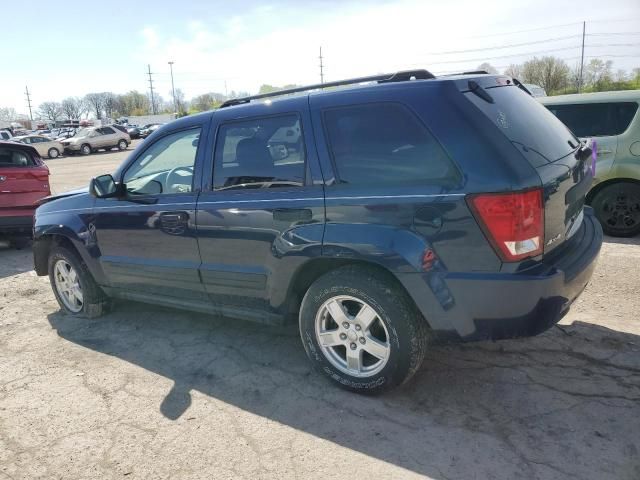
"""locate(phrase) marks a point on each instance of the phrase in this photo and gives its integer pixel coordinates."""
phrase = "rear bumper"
(476, 306)
(19, 224)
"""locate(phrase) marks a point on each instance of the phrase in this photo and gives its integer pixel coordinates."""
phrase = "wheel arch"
(313, 269)
(602, 185)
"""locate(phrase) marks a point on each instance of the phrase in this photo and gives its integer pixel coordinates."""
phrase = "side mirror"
(104, 186)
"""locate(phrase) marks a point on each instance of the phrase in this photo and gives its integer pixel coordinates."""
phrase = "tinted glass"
(107, 131)
(166, 166)
(260, 153)
(596, 119)
(385, 144)
(14, 158)
(525, 121)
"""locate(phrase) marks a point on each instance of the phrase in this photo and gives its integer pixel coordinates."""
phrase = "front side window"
(166, 166)
(385, 144)
(14, 158)
(263, 152)
(596, 119)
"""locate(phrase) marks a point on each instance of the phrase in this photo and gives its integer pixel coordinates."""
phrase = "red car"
(24, 180)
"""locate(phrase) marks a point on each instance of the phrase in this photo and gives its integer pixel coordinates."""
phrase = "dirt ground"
(149, 393)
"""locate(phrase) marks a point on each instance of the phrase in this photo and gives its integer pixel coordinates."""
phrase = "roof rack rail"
(471, 72)
(384, 78)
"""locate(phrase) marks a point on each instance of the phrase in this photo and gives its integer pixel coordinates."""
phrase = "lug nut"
(353, 346)
(358, 327)
(362, 340)
(345, 324)
(343, 336)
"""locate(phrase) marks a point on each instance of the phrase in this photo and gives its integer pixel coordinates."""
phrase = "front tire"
(53, 153)
(360, 328)
(617, 208)
(85, 149)
(73, 285)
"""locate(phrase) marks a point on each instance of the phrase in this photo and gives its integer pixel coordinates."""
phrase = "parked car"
(133, 131)
(612, 119)
(45, 146)
(535, 90)
(149, 129)
(65, 133)
(380, 217)
(24, 180)
(92, 139)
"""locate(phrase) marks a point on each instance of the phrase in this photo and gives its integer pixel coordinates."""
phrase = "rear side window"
(14, 158)
(266, 152)
(596, 119)
(385, 144)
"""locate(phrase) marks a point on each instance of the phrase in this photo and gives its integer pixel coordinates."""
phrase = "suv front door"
(146, 241)
(263, 214)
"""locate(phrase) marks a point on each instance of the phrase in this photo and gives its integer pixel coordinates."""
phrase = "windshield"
(527, 123)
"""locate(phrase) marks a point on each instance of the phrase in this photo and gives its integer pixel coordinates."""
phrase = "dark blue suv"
(381, 216)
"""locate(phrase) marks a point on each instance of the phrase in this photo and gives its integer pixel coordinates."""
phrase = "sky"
(73, 48)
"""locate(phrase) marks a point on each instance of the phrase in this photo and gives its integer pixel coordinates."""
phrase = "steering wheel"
(179, 177)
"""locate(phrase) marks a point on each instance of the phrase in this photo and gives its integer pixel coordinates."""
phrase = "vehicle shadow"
(563, 404)
(14, 262)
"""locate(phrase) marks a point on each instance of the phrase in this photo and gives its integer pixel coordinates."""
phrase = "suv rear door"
(261, 212)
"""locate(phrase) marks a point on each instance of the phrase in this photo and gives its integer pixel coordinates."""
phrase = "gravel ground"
(147, 392)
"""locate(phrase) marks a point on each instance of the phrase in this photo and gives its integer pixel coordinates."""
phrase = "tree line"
(557, 77)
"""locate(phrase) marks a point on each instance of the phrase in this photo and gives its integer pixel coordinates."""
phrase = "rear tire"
(53, 153)
(85, 149)
(122, 145)
(73, 285)
(373, 341)
(617, 208)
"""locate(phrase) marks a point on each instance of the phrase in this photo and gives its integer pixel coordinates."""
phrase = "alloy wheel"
(352, 336)
(68, 286)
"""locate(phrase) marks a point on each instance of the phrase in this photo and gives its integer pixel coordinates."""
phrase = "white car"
(45, 146)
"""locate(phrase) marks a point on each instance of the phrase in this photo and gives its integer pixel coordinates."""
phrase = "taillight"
(513, 222)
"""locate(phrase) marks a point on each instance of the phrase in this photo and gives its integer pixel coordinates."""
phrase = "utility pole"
(321, 67)
(173, 90)
(29, 102)
(582, 57)
(153, 102)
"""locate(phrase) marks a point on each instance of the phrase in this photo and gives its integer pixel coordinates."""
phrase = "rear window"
(526, 122)
(596, 119)
(385, 144)
(14, 158)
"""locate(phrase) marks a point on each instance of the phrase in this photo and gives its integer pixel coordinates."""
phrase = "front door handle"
(174, 223)
(292, 214)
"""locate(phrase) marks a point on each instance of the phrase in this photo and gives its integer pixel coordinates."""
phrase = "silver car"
(92, 139)
(45, 146)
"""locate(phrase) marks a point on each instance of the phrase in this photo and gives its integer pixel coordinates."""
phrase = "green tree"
(550, 73)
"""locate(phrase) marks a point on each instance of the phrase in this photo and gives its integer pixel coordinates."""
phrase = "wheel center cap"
(353, 336)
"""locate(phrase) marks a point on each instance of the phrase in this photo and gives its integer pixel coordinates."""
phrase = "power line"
(29, 102)
(525, 31)
(153, 102)
(498, 47)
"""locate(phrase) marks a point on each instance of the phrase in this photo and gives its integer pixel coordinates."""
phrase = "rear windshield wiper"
(521, 86)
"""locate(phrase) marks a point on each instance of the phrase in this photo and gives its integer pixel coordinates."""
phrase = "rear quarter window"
(385, 144)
